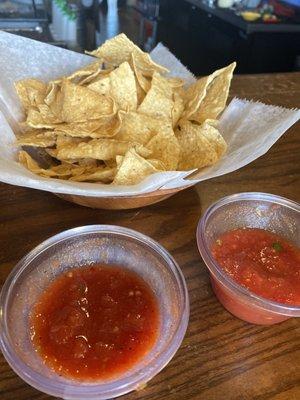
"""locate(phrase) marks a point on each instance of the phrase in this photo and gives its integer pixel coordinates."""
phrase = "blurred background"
(261, 35)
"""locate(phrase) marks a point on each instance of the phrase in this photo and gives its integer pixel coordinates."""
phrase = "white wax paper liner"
(250, 128)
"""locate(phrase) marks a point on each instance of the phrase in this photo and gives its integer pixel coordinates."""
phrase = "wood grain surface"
(221, 357)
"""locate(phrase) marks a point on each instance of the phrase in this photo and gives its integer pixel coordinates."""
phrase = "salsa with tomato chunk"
(262, 262)
(92, 323)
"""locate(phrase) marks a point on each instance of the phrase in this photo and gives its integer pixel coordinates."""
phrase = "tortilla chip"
(102, 174)
(207, 97)
(119, 160)
(141, 82)
(62, 170)
(119, 49)
(100, 149)
(101, 85)
(159, 100)
(212, 134)
(201, 145)
(195, 94)
(54, 99)
(81, 104)
(28, 162)
(80, 129)
(217, 92)
(37, 138)
(120, 84)
(123, 87)
(52, 153)
(47, 115)
(90, 78)
(51, 92)
(111, 163)
(133, 169)
(109, 127)
(88, 70)
(63, 140)
(157, 164)
(101, 73)
(35, 120)
(213, 122)
(175, 82)
(144, 81)
(177, 109)
(140, 93)
(141, 128)
(72, 161)
(31, 92)
(87, 162)
(95, 129)
(164, 146)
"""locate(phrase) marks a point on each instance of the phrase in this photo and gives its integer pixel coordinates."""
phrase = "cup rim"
(220, 275)
(90, 390)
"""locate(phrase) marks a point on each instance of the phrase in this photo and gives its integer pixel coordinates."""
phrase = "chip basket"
(250, 129)
(124, 202)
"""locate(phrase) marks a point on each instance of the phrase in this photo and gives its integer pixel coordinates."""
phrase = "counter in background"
(205, 38)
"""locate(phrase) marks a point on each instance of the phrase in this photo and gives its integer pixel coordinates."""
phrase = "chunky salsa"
(92, 323)
(263, 262)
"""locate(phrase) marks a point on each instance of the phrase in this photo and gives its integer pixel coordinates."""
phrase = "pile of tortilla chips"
(121, 118)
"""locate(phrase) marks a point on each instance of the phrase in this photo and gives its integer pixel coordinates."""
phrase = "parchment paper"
(249, 128)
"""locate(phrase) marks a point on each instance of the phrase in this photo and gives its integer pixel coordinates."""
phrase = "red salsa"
(95, 322)
(263, 262)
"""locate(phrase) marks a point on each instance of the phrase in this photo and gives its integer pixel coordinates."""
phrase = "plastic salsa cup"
(248, 210)
(88, 245)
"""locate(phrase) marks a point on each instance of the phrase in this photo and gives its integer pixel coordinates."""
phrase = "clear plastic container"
(251, 210)
(85, 246)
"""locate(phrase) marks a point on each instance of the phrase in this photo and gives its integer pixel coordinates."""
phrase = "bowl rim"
(220, 275)
(99, 391)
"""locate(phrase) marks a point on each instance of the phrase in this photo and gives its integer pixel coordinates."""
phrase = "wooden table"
(221, 357)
